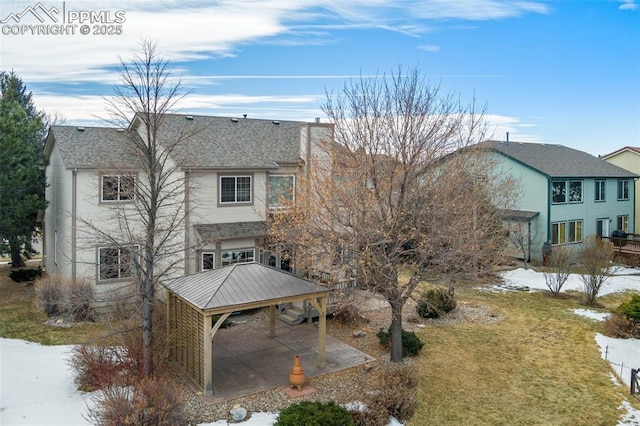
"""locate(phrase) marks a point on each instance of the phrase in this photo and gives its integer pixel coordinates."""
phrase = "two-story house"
(628, 158)
(233, 171)
(566, 194)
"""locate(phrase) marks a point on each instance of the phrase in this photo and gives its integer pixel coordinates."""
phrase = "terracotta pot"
(296, 377)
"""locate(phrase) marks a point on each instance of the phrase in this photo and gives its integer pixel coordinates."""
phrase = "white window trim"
(622, 181)
(236, 176)
(604, 191)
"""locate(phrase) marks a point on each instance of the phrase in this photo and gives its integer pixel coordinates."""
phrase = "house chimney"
(507, 141)
(317, 119)
(244, 115)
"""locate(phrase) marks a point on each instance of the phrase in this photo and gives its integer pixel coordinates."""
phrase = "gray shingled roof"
(242, 143)
(557, 160)
(241, 284)
(92, 147)
(207, 143)
(228, 231)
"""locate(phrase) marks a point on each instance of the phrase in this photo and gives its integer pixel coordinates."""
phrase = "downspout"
(74, 218)
(635, 203)
(187, 245)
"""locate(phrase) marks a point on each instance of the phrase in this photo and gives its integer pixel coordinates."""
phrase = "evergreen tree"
(22, 179)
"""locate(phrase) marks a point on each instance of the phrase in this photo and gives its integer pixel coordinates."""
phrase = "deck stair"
(291, 314)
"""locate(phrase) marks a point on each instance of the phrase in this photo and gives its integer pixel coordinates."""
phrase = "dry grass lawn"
(539, 365)
(19, 319)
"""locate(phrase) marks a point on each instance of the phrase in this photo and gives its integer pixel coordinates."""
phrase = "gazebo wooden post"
(322, 338)
(321, 306)
(272, 320)
(208, 355)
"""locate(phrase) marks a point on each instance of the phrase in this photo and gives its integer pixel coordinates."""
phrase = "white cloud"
(190, 30)
(628, 5)
(430, 48)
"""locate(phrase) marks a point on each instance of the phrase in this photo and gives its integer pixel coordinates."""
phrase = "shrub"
(559, 269)
(150, 402)
(348, 314)
(21, 275)
(49, 294)
(411, 343)
(309, 413)
(397, 397)
(58, 296)
(631, 308)
(619, 326)
(435, 302)
(370, 416)
(98, 367)
(80, 297)
(595, 257)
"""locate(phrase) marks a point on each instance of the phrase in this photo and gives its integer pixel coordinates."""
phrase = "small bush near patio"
(397, 390)
(309, 413)
(435, 302)
(99, 367)
(411, 343)
(150, 402)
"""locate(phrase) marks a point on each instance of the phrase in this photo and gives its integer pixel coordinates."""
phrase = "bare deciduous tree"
(401, 193)
(595, 257)
(557, 273)
(148, 228)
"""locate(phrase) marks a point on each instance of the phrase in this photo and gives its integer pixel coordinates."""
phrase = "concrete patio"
(246, 360)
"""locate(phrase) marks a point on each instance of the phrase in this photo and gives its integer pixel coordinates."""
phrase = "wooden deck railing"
(631, 244)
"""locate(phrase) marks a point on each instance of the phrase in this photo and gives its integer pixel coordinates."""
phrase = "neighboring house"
(628, 158)
(234, 171)
(567, 194)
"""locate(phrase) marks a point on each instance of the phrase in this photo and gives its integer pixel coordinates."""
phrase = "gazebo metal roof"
(242, 286)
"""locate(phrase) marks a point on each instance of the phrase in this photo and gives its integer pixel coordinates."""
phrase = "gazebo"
(193, 300)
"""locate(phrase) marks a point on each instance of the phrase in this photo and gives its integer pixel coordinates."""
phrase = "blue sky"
(563, 72)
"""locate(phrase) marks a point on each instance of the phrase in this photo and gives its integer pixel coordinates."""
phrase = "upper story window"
(117, 188)
(563, 191)
(230, 257)
(281, 188)
(575, 191)
(116, 262)
(600, 190)
(559, 192)
(235, 189)
(623, 189)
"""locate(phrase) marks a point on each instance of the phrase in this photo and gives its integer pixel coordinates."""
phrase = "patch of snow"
(594, 315)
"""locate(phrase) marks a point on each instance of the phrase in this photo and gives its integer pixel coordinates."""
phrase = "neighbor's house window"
(116, 262)
(281, 188)
(575, 191)
(575, 231)
(118, 187)
(623, 189)
(559, 191)
(559, 233)
(623, 223)
(600, 186)
(208, 260)
(235, 189)
(230, 257)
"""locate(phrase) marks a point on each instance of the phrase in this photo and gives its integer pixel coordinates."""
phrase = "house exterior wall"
(630, 160)
(533, 196)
